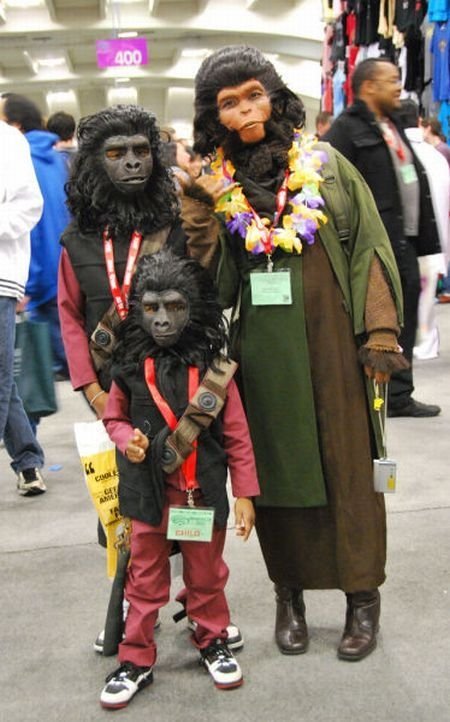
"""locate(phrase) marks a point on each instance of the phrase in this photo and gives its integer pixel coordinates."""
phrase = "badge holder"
(271, 288)
(189, 523)
(384, 469)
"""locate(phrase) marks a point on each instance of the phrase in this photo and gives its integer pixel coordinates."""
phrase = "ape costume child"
(304, 260)
(167, 369)
(123, 203)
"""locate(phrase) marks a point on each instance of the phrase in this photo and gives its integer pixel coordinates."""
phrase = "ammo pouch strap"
(200, 412)
(103, 339)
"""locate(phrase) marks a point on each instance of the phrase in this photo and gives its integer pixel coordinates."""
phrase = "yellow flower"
(253, 237)
(216, 164)
(232, 203)
(285, 238)
(303, 176)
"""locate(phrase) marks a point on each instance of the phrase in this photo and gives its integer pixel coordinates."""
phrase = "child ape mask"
(117, 176)
(164, 315)
(174, 314)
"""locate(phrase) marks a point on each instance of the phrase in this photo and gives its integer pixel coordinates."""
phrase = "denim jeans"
(20, 442)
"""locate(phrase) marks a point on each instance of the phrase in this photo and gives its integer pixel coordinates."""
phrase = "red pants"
(147, 587)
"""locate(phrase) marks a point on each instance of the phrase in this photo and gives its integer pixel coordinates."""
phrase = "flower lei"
(303, 179)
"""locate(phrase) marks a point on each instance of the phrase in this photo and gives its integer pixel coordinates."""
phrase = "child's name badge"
(271, 288)
(409, 174)
(190, 524)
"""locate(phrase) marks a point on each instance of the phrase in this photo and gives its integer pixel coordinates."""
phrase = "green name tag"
(186, 524)
(409, 174)
(271, 289)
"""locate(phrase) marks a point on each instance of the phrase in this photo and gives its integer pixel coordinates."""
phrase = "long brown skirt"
(341, 545)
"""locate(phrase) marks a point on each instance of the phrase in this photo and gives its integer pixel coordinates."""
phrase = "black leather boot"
(361, 625)
(291, 633)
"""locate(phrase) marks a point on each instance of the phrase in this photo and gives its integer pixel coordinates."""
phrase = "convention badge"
(384, 475)
(384, 469)
(409, 174)
(190, 524)
(271, 288)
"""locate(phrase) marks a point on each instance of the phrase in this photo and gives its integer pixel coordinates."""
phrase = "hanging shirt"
(339, 79)
(444, 119)
(440, 50)
(409, 12)
(438, 10)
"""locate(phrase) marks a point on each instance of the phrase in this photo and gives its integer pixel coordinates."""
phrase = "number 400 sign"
(121, 52)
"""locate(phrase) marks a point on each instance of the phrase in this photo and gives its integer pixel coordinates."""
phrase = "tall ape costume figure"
(167, 374)
(317, 300)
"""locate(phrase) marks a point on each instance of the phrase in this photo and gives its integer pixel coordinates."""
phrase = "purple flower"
(239, 223)
(322, 155)
(310, 228)
(314, 202)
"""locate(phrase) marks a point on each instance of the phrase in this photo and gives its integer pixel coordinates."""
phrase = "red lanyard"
(280, 203)
(190, 464)
(393, 140)
(120, 295)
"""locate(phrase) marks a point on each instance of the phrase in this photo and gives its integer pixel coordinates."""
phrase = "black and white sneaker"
(30, 482)
(234, 638)
(123, 683)
(221, 665)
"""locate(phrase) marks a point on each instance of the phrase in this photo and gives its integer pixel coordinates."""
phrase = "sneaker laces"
(127, 670)
(219, 652)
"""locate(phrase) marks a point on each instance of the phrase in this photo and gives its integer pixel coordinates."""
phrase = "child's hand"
(137, 446)
(244, 513)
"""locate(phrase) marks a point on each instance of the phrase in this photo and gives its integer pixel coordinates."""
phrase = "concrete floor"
(54, 592)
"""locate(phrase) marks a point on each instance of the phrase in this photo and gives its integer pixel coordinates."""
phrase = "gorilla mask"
(128, 161)
(164, 315)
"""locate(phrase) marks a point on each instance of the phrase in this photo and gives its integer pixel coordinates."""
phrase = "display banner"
(121, 52)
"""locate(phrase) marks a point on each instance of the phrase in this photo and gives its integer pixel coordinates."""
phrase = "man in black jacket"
(370, 136)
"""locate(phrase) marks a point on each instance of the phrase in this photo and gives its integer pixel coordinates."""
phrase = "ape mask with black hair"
(174, 315)
(117, 177)
(231, 66)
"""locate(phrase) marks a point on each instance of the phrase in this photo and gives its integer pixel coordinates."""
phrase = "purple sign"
(121, 52)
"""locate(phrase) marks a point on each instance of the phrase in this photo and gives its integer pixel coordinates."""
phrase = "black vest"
(87, 257)
(88, 261)
(139, 494)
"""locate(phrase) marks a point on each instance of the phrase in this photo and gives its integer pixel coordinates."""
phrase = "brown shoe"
(291, 632)
(361, 625)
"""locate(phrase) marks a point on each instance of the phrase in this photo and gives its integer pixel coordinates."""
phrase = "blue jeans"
(20, 442)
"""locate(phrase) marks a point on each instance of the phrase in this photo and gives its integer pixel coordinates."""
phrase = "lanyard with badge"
(269, 287)
(186, 523)
(120, 294)
(393, 140)
(384, 469)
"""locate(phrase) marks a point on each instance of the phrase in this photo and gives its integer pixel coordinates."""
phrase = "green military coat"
(275, 345)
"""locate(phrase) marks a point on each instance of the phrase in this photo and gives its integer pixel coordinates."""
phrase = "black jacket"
(356, 134)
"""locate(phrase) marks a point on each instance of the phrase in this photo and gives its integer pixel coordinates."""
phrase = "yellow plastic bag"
(98, 459)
